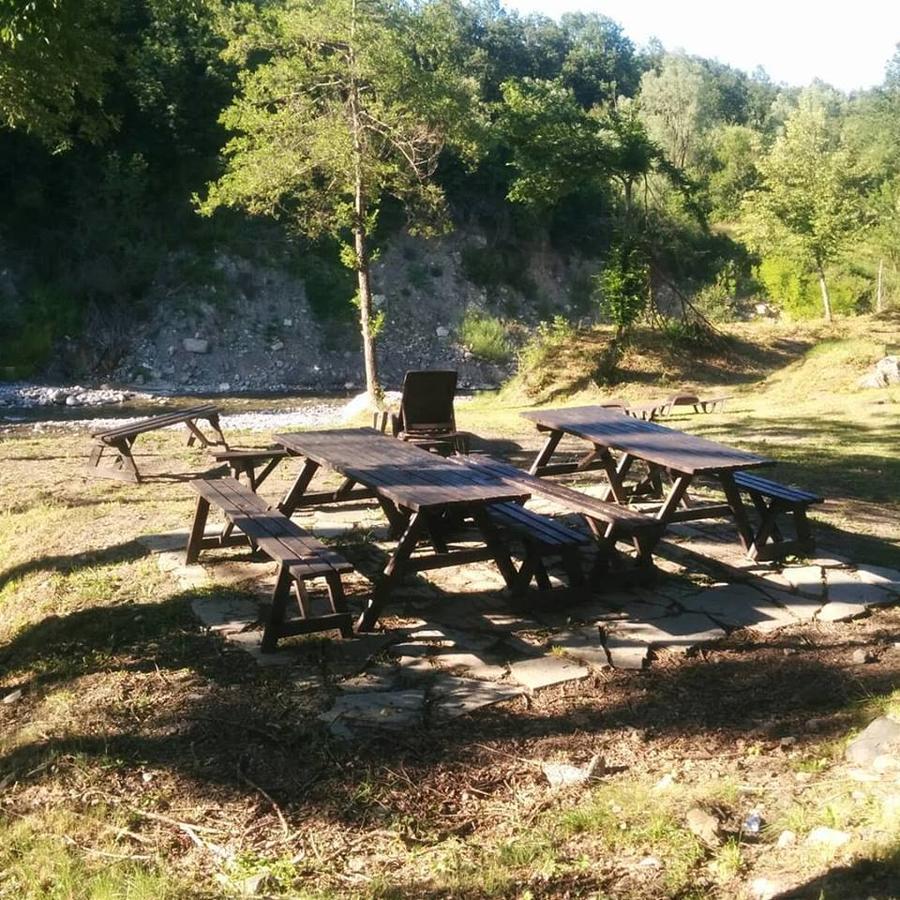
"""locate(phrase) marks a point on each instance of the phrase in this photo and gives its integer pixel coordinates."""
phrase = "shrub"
(622, 286)
(485, 337)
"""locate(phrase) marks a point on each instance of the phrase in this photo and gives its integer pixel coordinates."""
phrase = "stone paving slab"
(584, 645)
(546, 671)
(805, 579)
(475, 666)
(453, 697)
(887, 579)
(678, 633)
(393, 710)
(739, 606)
(625, 651)
(251, 642)
(225, 614)
(800, 606)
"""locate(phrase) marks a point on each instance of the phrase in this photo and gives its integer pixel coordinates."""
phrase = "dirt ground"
(142, 755)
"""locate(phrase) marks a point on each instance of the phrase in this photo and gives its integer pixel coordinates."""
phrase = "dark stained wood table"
(667, 452)
(417, 491)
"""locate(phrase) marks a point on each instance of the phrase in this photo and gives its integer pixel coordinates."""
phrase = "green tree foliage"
(623, 287)
(54, 55)
(678, 105)
(341, 101)
(809, 200)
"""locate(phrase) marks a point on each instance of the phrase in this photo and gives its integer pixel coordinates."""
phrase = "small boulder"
(195, 345)
(880, 737)
(823, 836)
(862, 656)
(13, 697)
(703, 825)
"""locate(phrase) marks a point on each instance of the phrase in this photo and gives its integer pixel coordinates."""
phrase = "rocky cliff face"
(252, 327)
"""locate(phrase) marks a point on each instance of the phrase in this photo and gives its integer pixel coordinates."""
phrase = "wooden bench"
(608, 522)
(771, 500)
(300, 557)
(120, 440)
(542, 537)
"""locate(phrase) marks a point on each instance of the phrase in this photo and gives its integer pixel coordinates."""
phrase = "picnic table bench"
(300, 557)
(121, 439)
(773, 500)
(609, 523)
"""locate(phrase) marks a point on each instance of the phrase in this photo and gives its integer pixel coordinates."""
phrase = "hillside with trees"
(146, 145)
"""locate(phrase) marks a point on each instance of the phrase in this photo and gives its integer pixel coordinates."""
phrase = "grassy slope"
(135, 725)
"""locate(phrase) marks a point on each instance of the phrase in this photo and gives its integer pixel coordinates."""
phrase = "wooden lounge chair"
(700, 404)
(120, 440)
(426, 417)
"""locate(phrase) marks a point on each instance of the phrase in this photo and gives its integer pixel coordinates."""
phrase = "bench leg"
(339, 602)
(275, 623)
(197, 531)
(738, 510)
(495, 544)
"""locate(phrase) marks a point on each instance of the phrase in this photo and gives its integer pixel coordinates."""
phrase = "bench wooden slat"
(277, 535)
(535, 526)
(154, 422)
(627, 521)
(773, 489)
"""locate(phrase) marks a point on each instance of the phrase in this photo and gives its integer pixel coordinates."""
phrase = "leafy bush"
(797, 291)
(485, 337)
(716, 301)
(622, 287)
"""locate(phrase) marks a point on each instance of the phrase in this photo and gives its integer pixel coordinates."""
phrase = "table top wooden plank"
(405, 474)
(649, 441)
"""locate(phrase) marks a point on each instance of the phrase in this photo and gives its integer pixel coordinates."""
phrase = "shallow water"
(243, 412)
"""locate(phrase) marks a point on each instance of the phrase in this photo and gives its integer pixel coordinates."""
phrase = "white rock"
(787, 838)
(195, 345)
(561, 775)
(288, 323)
(764, 889)
(822, 836)
(13, 696)
(442, 331)
(278, 345)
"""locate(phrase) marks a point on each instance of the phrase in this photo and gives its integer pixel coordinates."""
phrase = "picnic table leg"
(198, 529)
(339, 602)
(195, 434)
(546, 452)
(216, 426)
(289, 504)
(393, 572)
(495, 544)
(680, 484)
(739, 511)
(397, 519)
(616, 474)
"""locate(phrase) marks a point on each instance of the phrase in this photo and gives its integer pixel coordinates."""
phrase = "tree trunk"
(879, 288)
(360, 236)
(373, 388)
(826, 299)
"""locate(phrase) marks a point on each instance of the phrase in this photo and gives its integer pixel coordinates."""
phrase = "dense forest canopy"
(118, 118)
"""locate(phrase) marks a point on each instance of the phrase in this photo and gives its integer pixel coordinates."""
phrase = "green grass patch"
(485, 337)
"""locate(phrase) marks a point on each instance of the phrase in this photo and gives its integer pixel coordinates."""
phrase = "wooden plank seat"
(300, 557)
(609, 523)
(772, 500)
(120, 440)
(541, 537)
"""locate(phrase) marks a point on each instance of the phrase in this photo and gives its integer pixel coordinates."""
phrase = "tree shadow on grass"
(876, 879)
(240, 721)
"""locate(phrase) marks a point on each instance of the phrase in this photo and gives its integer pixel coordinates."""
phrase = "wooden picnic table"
(667, 453)
(418, 492)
